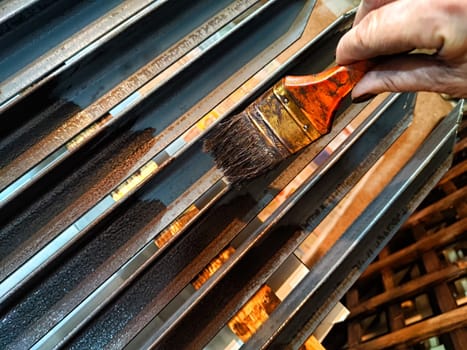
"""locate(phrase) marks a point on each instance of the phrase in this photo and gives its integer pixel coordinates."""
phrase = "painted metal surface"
(70, 227)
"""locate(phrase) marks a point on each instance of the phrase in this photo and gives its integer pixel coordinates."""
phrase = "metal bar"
(291, 324)
(12, 87)
(257, 232)
(10, 8)
(96, 301)
(136, 182)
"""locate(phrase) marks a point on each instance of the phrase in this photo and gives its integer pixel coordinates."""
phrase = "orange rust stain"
(212, 267)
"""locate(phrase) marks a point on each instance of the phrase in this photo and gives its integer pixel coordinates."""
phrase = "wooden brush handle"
(319, 95)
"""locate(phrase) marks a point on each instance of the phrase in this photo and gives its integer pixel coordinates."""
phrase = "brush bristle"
(241, 150)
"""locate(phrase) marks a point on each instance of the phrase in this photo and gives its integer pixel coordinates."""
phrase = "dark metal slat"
(267, 243)
(295, 320)
(106, 203)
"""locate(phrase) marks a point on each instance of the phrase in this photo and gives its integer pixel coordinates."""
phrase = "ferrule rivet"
(306, 127)
(285, 100)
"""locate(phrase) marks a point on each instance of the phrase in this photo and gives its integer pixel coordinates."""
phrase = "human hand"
(388, 29)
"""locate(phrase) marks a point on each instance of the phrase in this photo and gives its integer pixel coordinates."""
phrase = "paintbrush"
(292, 114)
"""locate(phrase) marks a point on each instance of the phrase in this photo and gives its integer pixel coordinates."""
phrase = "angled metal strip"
(113, 105)
(50, 61)
(97, 300)
(296, 319)
(256, 232)
(78, 228)
(11, 8)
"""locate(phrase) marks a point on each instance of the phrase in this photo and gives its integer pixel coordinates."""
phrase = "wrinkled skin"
(388, 29)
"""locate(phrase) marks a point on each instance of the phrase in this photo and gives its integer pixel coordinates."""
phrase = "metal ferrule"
(295, 112)
(284, 119)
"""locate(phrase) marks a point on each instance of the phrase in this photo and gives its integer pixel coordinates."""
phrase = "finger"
(393, 28)
(366, 6)
(411, 73)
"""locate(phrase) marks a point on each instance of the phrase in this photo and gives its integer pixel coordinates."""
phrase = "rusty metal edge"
(296, 319)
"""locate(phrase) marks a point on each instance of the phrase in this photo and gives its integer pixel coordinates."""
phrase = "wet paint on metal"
(83, 118)
(107, 204)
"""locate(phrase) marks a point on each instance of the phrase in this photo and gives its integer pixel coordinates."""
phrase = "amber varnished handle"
(319, 95)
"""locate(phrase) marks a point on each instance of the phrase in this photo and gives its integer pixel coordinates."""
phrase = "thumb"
(409, 73)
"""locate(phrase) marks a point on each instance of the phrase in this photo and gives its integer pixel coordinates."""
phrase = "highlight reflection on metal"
(212, 267)
(246, 322)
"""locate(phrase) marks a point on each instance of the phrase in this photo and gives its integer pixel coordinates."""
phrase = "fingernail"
(363, 98)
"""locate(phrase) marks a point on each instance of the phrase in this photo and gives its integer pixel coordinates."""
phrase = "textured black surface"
(38, 125)
(69, 275)
(216, 307)
(133, 301)
(214, 228)
(44, 217)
